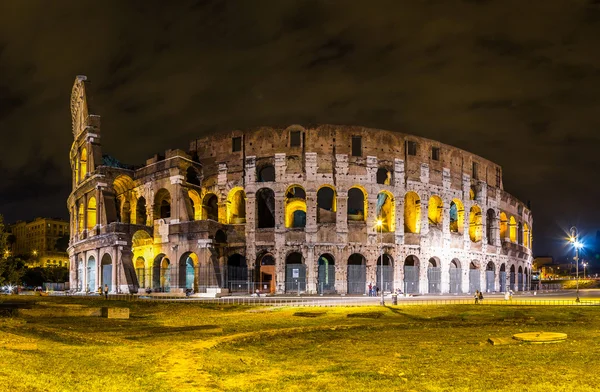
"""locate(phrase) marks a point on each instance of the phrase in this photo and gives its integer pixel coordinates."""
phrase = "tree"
(12, 268)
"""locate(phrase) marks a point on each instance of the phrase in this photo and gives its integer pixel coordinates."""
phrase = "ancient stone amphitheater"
(316, 209)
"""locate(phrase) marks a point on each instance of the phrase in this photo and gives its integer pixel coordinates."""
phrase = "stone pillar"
(178, 210)
(279, 211)
(85, 271)
(310, 159)
(280, 167)
(279, 271)
(312, 270)
(311, 211)
(445, 268)
(424, 215)
(250, 175)
(464, 282)
(113, 279)
(372, 231)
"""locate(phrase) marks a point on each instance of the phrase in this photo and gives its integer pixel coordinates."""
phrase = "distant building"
(37, 241)
(539, 262)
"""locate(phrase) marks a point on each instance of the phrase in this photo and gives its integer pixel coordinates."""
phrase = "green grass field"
(189, 347)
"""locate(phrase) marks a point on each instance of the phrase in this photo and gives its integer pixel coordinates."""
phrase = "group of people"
(373, 291)
(105, 291)
(478, 297)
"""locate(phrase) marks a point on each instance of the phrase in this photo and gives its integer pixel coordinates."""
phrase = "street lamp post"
(584, 265)
(575, 241)
(380, 225)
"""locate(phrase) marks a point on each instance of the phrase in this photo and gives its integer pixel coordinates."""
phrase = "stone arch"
(196, 204)
(237, 274)
(188, 262)
(80, 275)
(265, 208)
(435, 210)
(83, 166)
(475, 225)
(140, 211)
(489, 226)
(210, 207)
(384, 176)
(220, 237)
(520, 279)
(161, 273)
(357, 204)
(91, 213)
(386, 211)
(123, 186)
(295, 207)
(513, 229)
(106, 271)
(91, 274)
(411, 274)
(265, 269)
(388, 273)
(503, 226)
(434, 275)
(526, 236)
(455, 273)
(295, 273)
(513, 277)
(191, 176)
(162, 204)
(265, 173)
(140, 271)
(326, 274)
(326, 204)
(412, 213)
(490, 277)
(457, 216)
(474, 277)
(520, 233)
(357, 274)
(236, 206)
(502, 278)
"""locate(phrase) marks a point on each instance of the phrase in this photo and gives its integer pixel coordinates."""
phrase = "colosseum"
(325, 209)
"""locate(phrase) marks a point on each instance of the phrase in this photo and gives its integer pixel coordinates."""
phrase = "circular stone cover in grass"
(540, 337)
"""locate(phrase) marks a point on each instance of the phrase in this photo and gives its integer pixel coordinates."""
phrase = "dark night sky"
(516, 82)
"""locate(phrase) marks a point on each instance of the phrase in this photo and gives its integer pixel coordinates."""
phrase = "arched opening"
(236, 206)
(126, 212)
(123, 187)
(520, 279)
(490, 277)
(434, 275)
(161, 274)
(412, 213)
(140, 271)
(326, 274)
(162, 204)
(295, 273)
(388, 273)
(435, 210)
(520, 233)
(220, 237)
(187, 271)
(106, 271)
(140, 211)
(80, 276)
(266, 173)
(210, 207)
(386, 212)
(80, 217)
(526, 236)
(503, 226)
(512, 226)
(295, 207)
(489, 225)
(475, 226)
(83, 158)
(265, 208)
(191, 176)
(357, 205)
(266, 273)
(384, 176)
(474, 277)
(326, 204)
(457, 216)
(502, 279)
(472, 194)
(455, 277)
(91, 274)
(411, 275)
(195, 204)
(91, 213)
(357, 274)
(237, 274)
(513, 277)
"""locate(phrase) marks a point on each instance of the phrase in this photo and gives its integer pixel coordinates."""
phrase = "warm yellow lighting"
(379, 222)
(34, 252)
(572, 239)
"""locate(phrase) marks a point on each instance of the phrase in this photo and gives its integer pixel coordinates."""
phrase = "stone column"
(341, 217)
(311, 270)
(113, 279)
(85, 271)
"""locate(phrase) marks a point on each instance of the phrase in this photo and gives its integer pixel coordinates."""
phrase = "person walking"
(105, 291)
(481, 297)
(476, 296)
(370, 290)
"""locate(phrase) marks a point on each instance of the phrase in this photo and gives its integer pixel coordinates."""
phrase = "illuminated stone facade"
(36, 240)
(290, 209)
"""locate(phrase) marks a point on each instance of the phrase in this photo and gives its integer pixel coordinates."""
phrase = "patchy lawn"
(192, 347)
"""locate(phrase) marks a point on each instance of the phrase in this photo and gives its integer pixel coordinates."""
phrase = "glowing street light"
(577, 245)
(380, 225)
(584, 265)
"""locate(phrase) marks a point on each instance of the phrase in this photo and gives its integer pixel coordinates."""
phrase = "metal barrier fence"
(348, 301)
